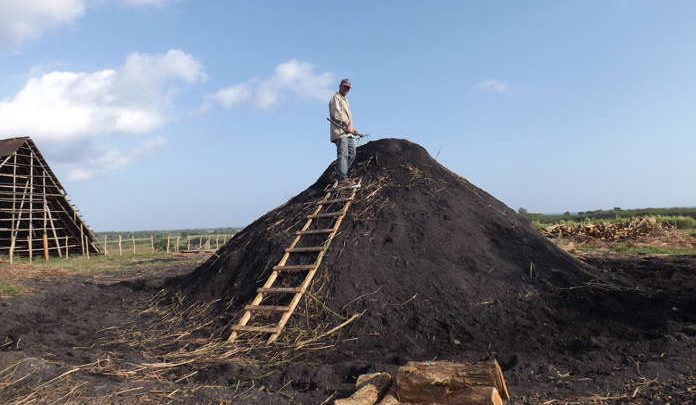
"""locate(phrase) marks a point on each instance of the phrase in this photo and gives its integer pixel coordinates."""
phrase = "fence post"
(176, 248)
(12, 245)
(152, 243)
(45, 246)
(217, 241)
(87, 245)
(67, 246)
(120, 246)
(168, 243)
(106, 246)
(188, 242)
(133, 239)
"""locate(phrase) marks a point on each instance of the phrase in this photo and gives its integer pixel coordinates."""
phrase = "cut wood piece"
(435, 380)
(279, 290)
(308, 249)
(314, 231)
(266, 308)
(326, 215)
(294, 268)
(371, 387)
(389, 400)
(258, 329)
(475, 396)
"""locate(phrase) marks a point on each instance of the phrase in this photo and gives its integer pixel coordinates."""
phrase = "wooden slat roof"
(10, 146)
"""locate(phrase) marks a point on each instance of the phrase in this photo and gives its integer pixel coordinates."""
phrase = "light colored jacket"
(339, 111)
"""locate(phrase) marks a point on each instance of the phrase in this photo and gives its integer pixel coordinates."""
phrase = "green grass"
(685, 217)
(8, 289)
(106, 264)
(654, 250)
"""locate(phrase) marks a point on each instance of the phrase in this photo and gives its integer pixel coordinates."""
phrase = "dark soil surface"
(436, 268)
(57, 327)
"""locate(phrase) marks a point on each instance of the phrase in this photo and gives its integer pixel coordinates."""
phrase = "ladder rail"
(310, 275)
(255, 305)
(274, 273)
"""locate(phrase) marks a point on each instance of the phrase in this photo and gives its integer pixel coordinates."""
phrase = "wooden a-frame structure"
(36, 216)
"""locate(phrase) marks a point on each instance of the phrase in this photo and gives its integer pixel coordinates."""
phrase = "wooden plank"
(327, 215)
(336, 200)
(294, 268)
(279, 290)
(258, 329)
(266, 308)
(306, 249)
(314, 231)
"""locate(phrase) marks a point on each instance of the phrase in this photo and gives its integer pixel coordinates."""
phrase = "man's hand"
(351, 130)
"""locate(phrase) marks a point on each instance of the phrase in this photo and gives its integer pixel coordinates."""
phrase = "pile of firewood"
(433, 382)
(608, 231)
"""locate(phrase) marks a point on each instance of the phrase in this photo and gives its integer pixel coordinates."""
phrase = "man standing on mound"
(342, 132)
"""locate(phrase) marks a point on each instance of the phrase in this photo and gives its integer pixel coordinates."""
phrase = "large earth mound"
(439, 266)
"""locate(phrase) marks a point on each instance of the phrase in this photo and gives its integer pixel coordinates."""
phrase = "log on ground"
(431, 381)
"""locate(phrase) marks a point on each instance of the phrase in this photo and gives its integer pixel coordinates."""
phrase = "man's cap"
(346, 82)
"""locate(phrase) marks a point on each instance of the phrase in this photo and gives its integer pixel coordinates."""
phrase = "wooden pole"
(188, 242)
(168, 243)
(133, 239)
(31, 205)
(53, 227)
(12, 245)
(120, 248)
(14, 201)
(82, 239)
(176, 248)
(200, 242)
(106, 248)
(87, 245)
(152, 243)
(67, 246)
(45, 216)
(217, 241)
(45, 246)
(29, 244)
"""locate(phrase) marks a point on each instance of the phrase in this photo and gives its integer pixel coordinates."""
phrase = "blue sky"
(164, 114)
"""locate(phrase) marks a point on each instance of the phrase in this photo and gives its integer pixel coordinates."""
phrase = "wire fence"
(120, 245)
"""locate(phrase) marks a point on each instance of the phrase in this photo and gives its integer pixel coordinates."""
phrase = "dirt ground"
(56, 346)
(425, 266)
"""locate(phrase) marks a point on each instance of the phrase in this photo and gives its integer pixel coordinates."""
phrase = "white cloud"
(22, 20)
(292, 78)
(232, 96)
(73, 114)
(111, 159)
(494, 85)
(62, 105)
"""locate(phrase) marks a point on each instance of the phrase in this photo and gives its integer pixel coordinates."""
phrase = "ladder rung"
(309, 249)
(314, 231)
(326, 215)
(337, 200)
(294, 268)
(266, 308)
(284, 290)
(261, 329)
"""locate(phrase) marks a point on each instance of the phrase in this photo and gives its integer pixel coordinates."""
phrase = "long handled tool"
(342, 126)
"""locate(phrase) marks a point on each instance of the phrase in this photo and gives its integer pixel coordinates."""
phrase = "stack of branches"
(633, 228)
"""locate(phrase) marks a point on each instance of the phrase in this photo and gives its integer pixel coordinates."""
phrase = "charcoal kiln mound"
(436, 266)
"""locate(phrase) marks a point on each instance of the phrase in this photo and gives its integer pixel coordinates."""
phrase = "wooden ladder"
(322, 224)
